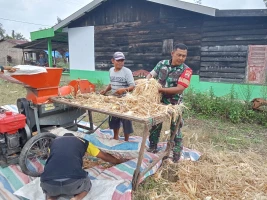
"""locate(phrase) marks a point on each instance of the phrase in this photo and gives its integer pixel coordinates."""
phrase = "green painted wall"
(92, 76)
(243, 91)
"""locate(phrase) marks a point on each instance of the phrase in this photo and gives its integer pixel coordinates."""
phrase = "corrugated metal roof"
(187, 6)
(60, 40)
(13, 41)
(174, 3)
(78, 14)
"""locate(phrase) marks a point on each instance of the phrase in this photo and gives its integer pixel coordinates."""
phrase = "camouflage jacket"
(170, 76)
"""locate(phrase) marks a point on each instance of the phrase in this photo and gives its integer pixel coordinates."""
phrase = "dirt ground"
(233, 164)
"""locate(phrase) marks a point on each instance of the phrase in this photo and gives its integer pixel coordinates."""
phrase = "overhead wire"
(18, 21)
(23, 22)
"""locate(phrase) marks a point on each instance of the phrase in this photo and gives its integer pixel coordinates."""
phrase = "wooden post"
(54, 62)
(168, 149)
(136, 175)
(90, 116)
(161, 156)
(23, 57)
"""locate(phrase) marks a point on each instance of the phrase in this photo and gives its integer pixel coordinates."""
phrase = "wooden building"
(146, 30)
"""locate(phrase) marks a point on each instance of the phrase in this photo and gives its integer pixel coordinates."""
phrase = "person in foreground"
(174, 76)
(63, 173)
(8, 68)
(121, 82)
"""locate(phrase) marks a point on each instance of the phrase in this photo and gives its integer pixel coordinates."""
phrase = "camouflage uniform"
(169, 76)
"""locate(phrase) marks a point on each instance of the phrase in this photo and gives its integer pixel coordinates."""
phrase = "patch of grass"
(65, 79)
(9, 92)
(100, 85)
(152, 188)
(224, 135)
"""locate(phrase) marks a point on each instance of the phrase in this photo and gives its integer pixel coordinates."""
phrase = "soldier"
(174, 76)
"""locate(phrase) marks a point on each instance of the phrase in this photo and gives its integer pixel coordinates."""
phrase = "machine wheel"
(34, 154)
(73, 128)
(25, 135)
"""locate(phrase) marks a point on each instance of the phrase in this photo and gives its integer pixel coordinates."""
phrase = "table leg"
(136, 176)
(170, 143)
(90, 120)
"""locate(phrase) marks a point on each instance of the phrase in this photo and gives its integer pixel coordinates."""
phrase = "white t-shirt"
(120, 79)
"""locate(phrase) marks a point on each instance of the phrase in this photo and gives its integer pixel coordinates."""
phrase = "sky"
(44, 13)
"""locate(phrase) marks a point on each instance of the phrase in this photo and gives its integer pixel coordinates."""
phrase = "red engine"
(12, 137)
(11, 122)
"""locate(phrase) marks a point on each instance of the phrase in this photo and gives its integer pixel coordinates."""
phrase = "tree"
(13, 34)
(265, 1)
(19, 36)
(16, 36)
(199, 2)
(59, 20)
(2, 31)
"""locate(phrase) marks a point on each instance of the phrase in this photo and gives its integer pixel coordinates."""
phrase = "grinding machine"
(37, 113)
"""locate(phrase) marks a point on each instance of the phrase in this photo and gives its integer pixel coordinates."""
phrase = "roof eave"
(187, 6)
(242, 13)
(174, 3)
(78, 14)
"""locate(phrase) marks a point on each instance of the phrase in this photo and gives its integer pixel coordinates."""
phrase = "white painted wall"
(82, 48)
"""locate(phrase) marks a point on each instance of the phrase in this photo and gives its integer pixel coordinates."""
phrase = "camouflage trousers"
(178, 139)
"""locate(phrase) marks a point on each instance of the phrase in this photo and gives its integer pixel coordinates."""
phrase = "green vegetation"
(225, 108)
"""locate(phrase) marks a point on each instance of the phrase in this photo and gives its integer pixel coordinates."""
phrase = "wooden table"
(148, 123)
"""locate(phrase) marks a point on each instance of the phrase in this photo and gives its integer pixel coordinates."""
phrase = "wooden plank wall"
(143, 31)
(225, 44)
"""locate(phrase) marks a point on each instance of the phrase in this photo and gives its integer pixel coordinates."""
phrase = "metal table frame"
(148, 123)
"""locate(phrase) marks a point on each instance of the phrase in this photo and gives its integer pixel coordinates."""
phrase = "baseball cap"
(118, 56)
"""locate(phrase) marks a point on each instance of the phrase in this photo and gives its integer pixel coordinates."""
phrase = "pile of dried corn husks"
(224, 175)
(143, 102)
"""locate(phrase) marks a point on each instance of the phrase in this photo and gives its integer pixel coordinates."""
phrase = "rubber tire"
(25, 150)
(73, 128)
